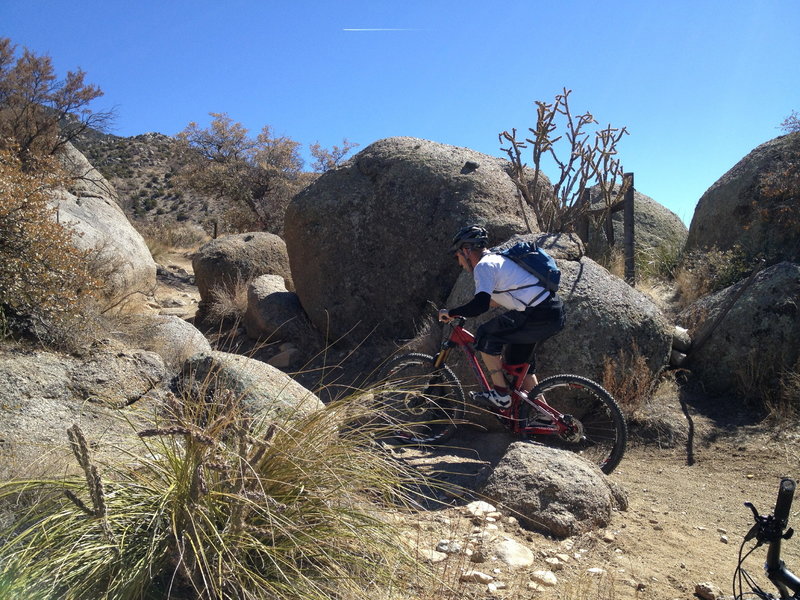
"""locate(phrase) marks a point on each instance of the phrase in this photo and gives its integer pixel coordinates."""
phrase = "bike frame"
(460, 337)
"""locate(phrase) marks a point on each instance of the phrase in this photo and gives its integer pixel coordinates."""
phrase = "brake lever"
(758, 524)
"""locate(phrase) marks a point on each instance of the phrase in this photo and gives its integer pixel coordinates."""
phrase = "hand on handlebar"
(444, 316)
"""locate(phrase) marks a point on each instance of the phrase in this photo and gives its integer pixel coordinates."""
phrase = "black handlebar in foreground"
(776, 569)
(784, 502)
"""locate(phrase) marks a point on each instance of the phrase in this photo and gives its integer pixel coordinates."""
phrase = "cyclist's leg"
(494, 366)
(517, 354)
(490, 340)
(541, 322)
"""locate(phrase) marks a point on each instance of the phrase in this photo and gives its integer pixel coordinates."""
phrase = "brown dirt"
(685, 520)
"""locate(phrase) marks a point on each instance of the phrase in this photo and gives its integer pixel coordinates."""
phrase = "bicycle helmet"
(474, 235)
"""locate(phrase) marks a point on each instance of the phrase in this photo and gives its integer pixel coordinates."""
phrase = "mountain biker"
(534, 313)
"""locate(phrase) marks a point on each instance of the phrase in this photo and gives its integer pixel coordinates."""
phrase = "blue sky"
(698, 84)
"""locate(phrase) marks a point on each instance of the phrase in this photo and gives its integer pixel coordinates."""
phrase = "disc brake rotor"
(574, 432)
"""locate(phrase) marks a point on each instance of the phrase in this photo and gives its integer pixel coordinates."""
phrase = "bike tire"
(421, 403)
(600, 433)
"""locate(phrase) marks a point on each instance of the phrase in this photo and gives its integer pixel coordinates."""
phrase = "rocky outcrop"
(107, 393)
(553, 490)
(754, 205)
(172, 338)
(275, 314)
(237, 259)
(368, 242)
(747, 347)
(120, 258)
(261, 390)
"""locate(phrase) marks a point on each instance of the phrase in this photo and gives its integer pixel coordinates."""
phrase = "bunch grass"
(218, 505)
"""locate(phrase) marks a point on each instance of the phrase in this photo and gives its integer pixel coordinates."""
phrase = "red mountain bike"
(422, 396)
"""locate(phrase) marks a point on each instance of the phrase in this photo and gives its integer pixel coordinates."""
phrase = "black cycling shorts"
(518, 332)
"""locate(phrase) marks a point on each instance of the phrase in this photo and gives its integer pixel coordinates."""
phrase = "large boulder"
(263, 392)
(553, 491)
(746, 348)
(368, 241)
(754, 205)
(120, 257)
(236, 259)
(172, 338)
(656, 228)
(275, 314)
(109, 394)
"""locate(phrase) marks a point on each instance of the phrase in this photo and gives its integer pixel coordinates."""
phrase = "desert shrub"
(217, 506)
(43, 277)
(613, 260)
(771, 384)
(787, 407)
(703, 272)
(628, 378)
(659, 263)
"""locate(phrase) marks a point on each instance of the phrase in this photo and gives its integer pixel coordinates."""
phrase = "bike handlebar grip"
(784, 502)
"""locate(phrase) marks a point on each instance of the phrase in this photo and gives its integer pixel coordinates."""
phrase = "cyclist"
(534, 313)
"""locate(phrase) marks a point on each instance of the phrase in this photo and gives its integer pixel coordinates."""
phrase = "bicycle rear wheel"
(597, 428)
(421, 403)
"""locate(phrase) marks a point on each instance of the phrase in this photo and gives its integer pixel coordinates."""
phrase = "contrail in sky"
(378, 29)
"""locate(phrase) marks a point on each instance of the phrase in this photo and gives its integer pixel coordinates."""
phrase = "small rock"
(448, 547)
(479, 508)
(514, 554)
(708, 591)
(534, 587)
(475, 577)
(596, 571)
(723, 539)
(432, 556)
(547, 578)
(553, 563)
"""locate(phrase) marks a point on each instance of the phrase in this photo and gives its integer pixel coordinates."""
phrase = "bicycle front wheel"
(421, 403)
(596, 428)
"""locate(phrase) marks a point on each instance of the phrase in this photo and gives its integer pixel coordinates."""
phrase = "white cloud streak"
(377, 29)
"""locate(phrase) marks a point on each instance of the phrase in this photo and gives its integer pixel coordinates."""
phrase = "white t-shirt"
(493, 274)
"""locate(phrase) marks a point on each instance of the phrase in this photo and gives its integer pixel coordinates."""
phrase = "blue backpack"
(531, 257)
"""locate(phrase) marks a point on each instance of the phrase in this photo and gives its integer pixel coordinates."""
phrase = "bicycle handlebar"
(786, 581)
(784, 502)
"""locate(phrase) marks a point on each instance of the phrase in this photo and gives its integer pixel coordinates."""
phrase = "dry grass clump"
(162, 238)
(769, 383)
(217, 505)
(228, 302)
(628, 378)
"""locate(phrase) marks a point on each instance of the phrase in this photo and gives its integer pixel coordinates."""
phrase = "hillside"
(143, 171)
